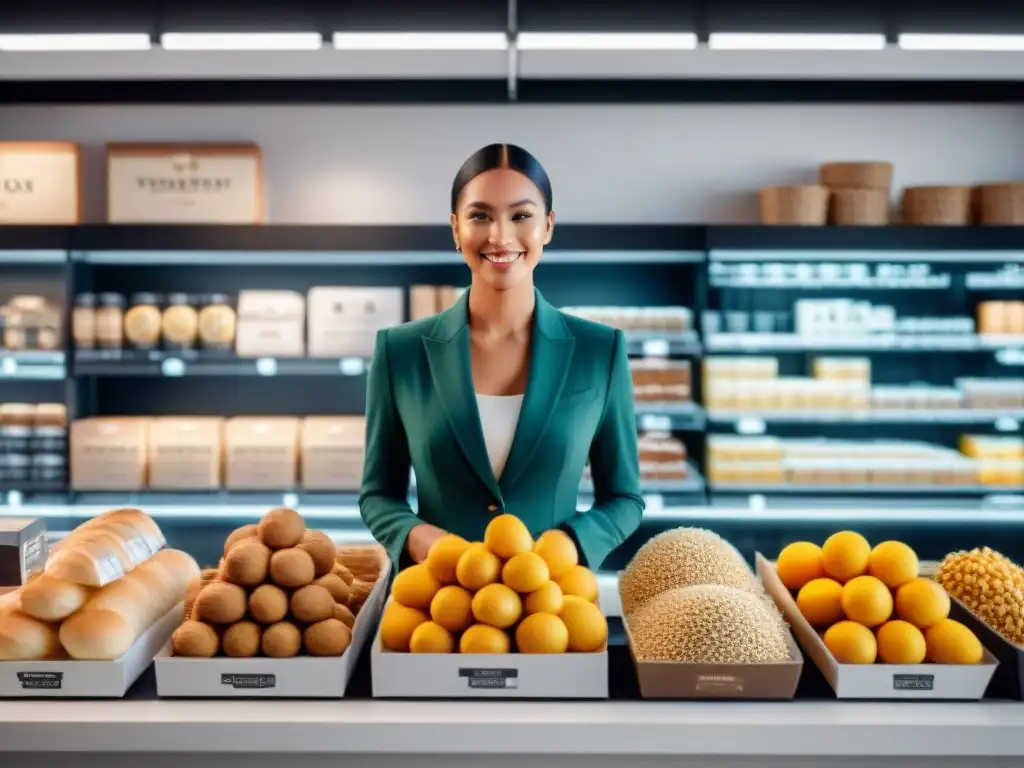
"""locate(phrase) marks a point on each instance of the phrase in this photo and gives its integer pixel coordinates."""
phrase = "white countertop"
(809, 728)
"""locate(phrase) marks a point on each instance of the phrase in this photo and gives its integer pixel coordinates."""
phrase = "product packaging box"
(185, 453)
(23, 550)
(878, 681)
(185, 184)
(262, 453)
(332, 452)
(271, 324)
(422, 301)
(305, 677)
(684, 680)
(41, 183)
(344, 321)
(109, 454)
(490, 676)
(88, 679)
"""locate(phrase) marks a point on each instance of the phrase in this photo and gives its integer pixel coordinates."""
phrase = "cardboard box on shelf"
(186, 453)
(261, 453)
(271, 324)
(42, 183)
(23, 550)
(332, 452)
(109, 454)
(878, 681)
(343, 321)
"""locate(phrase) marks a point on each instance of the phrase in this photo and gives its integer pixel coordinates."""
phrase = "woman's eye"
(521, 216)
(478, 216)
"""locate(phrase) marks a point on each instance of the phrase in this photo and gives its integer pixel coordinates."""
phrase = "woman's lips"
(502, 259)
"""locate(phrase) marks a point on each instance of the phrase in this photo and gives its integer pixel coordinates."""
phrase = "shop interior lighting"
(241, 41)
(420, 41)
(606, 41)
(76, 42)
(928, 42)
(794, 41)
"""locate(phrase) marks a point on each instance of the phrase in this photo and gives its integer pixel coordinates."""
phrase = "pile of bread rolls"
(280, 590)
(104, 585)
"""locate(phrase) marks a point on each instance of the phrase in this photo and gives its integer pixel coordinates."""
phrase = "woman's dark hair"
(502, 156)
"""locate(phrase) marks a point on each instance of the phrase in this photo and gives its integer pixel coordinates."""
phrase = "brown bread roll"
(326, 638)
(221, 603)
(51, 599)
(311, 604)
(242, 640)
(268, 604)
(247, 563)
(282, 528)
(335, 585)
(196, 640)
(282, 640)
(321, 548)
(250, 531)
(24, 638)
(292, 568)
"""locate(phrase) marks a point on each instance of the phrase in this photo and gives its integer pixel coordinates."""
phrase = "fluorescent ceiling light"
(420, 41)
(925, 42)
(241, 41)
(795, 41)
(606, 41)
(76, 42)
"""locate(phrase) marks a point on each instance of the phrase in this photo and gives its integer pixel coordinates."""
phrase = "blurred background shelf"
(32, 366)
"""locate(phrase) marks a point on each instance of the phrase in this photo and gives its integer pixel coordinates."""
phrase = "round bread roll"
(250, 531)
(335, 585)
(292, 568)
(321, 548)
(282, 528)
(282, 640)
(247, 563)
(220, 603)
(329, 637)
(344, 573)
(196, 640)
(344, 614)
(268, 604)
(242, 640)
(311, 604)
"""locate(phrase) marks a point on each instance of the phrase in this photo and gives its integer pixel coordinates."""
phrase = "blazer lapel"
(447, 349)
(550, 358)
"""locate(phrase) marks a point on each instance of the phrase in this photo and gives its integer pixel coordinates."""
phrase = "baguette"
(118, 614)
(23, 638)
(96, 558)
(51, 599)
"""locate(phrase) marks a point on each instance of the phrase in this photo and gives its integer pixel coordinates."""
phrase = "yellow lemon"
(587, 626)
(923, 602)
(429, 637)
(452, 608)
(579, 581)
(821, 602)
(900, 642)
(506, 535)
(397, 625)
(867, 601)
(497, 605)
(950, 642)
(799, 563)
(477, 567)
(525, 572)
(443, 557)
(542, 633)
(547, 599)
(415, 587)
(851, 643)
(893, 563)
(844, 556)
(481, 638)
(558, 550)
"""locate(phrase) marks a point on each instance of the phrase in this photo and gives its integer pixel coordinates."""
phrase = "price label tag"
(352, 366)
(1010, 356)
(757, 502)
(750, 426)
(173, 367)
(8, 366)
(655, 422)
(266, 366)
(1007, 424)
(14, 499)
(655, 348)
(654, 503)
(290, 500)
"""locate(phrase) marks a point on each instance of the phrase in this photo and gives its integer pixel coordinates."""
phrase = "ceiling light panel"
(76, 42)
(241, 41)
(795, 41)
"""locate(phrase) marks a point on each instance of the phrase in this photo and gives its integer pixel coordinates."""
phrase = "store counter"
(304, 733)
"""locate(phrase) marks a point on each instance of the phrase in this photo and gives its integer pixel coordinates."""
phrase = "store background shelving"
(588, 265)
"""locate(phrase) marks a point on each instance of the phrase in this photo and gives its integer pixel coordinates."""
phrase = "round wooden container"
(859, 207)
(846, 175)
(794, 206)
(945, 206)
(1000, 204)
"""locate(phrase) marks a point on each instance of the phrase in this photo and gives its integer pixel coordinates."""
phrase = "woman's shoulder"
(589, 333)
(410, 332)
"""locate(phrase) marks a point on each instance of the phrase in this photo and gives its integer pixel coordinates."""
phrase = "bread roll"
(23, 638)
(51, 599)
(95, 559)
(119, 613)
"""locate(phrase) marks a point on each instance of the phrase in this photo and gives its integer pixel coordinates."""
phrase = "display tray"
(302, 677)
(88, 679)
(878, 681)
(1008, 681)
(488, 676)
(685, 680)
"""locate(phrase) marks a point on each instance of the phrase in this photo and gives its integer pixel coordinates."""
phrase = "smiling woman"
(498, 403)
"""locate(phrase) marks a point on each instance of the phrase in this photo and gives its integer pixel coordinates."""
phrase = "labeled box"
(271, 324)
(499, 676)
(954, 682)
(88, 679)
(185, 184)
(109, 454)
(23, 550)
(306, 677)
(345, 321)
(40, 182)
(333, 452)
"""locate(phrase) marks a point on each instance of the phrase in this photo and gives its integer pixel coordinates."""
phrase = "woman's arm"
(615, 468)
(384, 497)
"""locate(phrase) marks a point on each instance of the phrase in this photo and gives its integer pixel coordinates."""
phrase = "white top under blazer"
(499, 415)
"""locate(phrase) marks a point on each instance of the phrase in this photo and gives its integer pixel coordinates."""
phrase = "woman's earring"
(458, 248)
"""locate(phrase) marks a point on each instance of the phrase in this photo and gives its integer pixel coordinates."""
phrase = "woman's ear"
(455, 231)
(549, 230)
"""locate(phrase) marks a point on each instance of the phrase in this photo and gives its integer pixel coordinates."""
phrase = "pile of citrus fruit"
(872, 604)
(507, 593)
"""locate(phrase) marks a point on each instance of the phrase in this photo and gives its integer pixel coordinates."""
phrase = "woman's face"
(501, 227)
